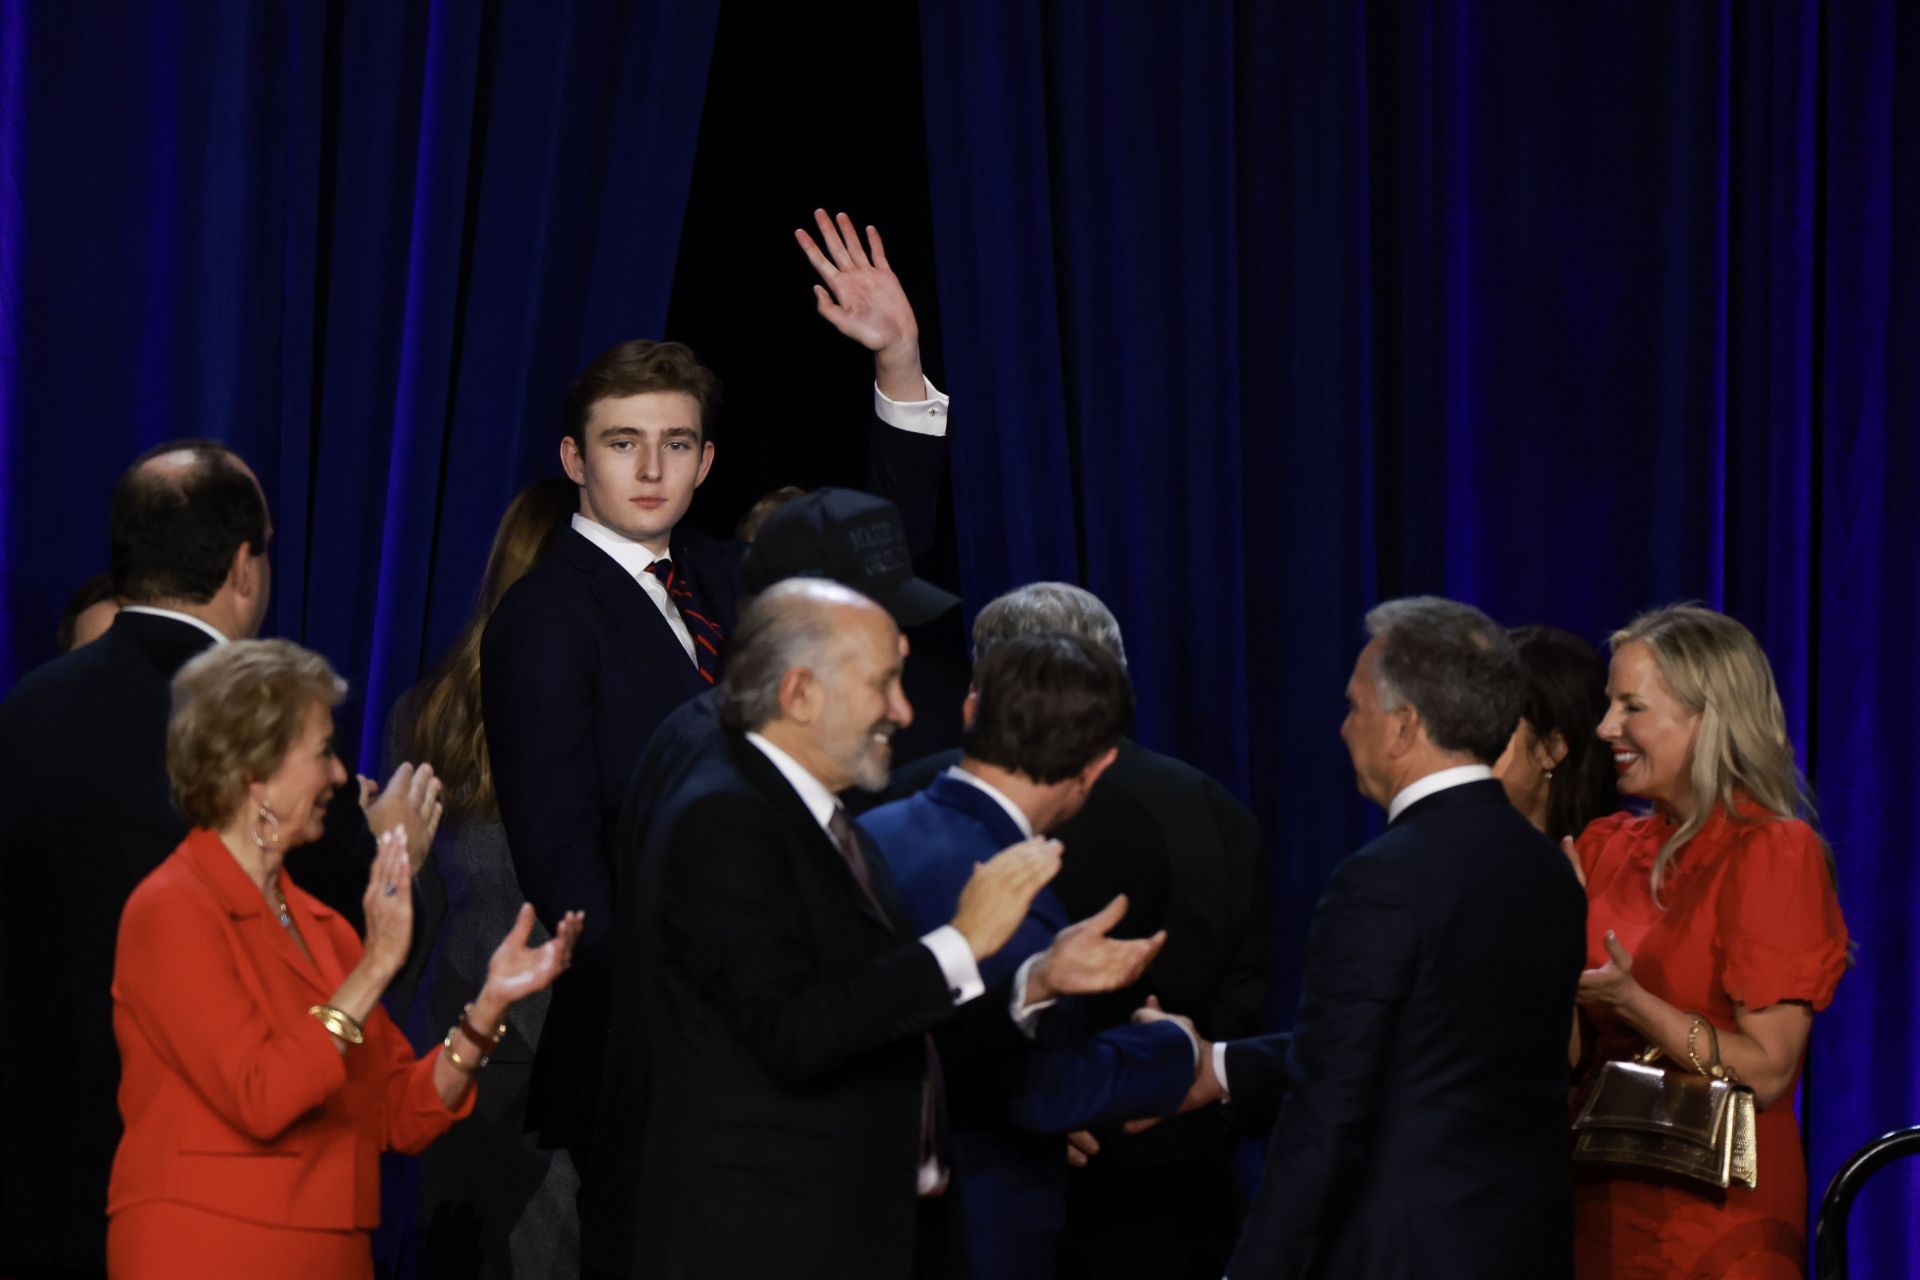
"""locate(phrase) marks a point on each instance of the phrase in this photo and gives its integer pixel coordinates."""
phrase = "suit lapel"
(817, 845)
(705, 566)
(244, 904)
(629, 612)
(315, 920)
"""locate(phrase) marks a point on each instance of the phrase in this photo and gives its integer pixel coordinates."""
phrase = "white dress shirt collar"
(1013, 810)
(633, 556)
(813, 793)
(1420, 788)
(177, 616)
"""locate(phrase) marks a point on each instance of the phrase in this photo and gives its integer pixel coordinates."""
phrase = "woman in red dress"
(260, 1079)
(1718, 905)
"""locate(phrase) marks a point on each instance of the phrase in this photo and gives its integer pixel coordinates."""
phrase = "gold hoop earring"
(273, 836)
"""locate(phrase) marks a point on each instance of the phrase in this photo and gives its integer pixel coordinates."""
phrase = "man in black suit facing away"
(1422, 1126)
(86, 813)
(796, 1101)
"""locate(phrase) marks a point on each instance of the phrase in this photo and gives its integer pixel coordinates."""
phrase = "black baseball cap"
(852, 538)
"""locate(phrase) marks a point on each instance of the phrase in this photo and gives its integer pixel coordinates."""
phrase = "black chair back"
(1830, 1230)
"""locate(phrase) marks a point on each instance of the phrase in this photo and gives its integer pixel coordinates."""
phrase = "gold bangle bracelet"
(453, 1055)
(486, 1043)
(340, 1023)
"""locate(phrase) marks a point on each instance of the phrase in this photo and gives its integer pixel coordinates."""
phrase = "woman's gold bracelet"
(340, 1022)
(452, 1055)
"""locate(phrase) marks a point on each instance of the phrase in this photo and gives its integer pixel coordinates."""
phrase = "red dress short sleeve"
(1780, 922)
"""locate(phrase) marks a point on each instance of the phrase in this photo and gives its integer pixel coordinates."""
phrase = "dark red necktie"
(933, 1086)
(706, 633)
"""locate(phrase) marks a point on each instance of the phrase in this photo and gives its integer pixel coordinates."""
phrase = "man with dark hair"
(1187, 855)
(623, 620)
(85, 805)
(1042, 725)
(795, 1104)
(1422, 1124)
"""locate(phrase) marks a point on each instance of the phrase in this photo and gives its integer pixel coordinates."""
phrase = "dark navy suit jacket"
(1424, 1126)
(1008, 1110)
(577, 667)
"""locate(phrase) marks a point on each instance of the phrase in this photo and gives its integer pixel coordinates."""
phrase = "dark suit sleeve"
(1361, 956)
(1072, 1079)
(1257, 1071)
(728, 905)
(908, 468)
(537, 691)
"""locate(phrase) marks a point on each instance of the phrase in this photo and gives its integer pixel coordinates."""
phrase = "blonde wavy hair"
(237, 709)
(1716, 669)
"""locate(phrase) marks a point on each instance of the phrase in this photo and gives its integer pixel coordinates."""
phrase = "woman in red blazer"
(260, 1079)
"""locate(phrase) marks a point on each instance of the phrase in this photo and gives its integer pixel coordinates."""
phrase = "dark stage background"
(1253, 313)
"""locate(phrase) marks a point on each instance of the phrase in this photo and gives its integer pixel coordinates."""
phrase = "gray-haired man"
(1422, 1101)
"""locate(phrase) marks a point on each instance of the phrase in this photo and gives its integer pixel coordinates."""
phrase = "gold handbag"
(1699, 1124)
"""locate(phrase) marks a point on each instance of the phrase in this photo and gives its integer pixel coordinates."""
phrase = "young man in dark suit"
(795, 1124)
(1043, 725)
(86, 809)
(1422, 1125)
(620, 622)
(626, 617)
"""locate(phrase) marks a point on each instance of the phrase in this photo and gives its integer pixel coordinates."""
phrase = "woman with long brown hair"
(490, 1203)
(1555, 770)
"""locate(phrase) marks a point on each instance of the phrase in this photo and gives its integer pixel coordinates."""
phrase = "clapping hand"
(1083, 960)
(410, 800)
(998, 893)
(1081, 1147)
(861, 297)
(388, 901)
(517, 971)
(1613, 982)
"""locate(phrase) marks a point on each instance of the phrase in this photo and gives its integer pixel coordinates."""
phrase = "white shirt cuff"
(1027, 1016)
(1220, 1066)
(923, 417)
(956, 960)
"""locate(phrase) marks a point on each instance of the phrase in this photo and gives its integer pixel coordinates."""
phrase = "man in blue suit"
(1043, 722)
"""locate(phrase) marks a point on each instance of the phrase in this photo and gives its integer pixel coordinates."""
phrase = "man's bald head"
(180, 513)
(801, 622)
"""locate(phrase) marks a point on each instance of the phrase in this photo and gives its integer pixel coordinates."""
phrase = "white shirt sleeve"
(923, 417)
(956, 961)
(1220, 1066)
(1026, 1016)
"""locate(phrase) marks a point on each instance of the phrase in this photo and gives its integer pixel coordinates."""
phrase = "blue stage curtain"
(1264, 312)
(366, 244)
